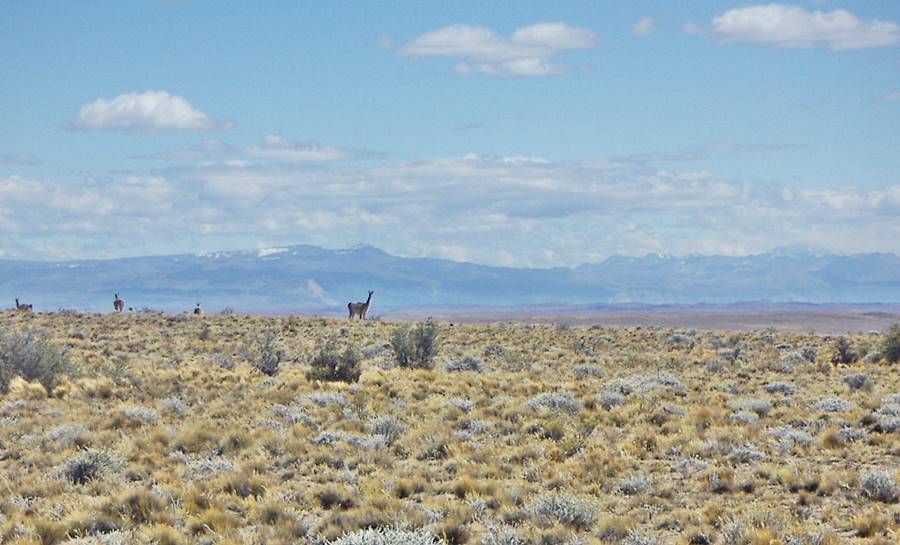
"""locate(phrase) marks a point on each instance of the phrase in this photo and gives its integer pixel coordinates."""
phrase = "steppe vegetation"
(168, 429)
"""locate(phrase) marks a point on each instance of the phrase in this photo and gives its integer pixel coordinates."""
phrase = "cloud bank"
(523, 211)
(146, 111)
(530, 51)
(781, 25)
(272, 148)
(19, 159)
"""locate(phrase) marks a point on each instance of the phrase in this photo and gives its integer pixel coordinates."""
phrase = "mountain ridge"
(311, 278)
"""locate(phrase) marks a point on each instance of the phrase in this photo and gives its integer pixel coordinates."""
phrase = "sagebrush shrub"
(588, 371)
(333, 364)
(34, 357)
(890, 345)
(611, 399)
(679, 339)
(387, 426)
(567, 509)
(781, 388)
(565, 401)
(416, 347)
(268, 355)
(388, 536)
(634, 538)
(843, 352)
(467, 363)
(832, 405)
(635, 485)
(879, 486)
(88, 465)
(761, 407)
(858, 381)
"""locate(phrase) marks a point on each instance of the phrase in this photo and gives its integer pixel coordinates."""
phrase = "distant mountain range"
(313, 279)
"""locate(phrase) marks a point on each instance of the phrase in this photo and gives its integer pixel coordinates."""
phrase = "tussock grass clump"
(416, 347)
(34, 357)
(335, 365)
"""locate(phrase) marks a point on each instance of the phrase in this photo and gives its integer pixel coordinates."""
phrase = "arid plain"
(179, 429)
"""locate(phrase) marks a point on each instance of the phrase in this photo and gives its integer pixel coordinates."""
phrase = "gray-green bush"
(335, 365)
(34, 357)
(416, 347)
(268, 354)
(890, 345)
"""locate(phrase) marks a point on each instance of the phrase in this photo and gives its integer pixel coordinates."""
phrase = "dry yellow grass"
(568, 435)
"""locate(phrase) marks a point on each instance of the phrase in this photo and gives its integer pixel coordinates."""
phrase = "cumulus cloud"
(530, 51)
(273, 147)
(146, 111)
(644, 27)
(781, 25)
(20, 159)
(540, 212)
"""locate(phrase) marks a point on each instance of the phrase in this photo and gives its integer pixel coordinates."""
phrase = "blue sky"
(514, 133)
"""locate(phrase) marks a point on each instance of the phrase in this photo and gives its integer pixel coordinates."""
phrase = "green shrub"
(34, 357)
(890, 345)
(416, 347)
(268, 354)
(843, 352)
(333, 365)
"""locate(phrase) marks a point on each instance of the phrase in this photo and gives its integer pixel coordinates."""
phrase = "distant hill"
(309, 278)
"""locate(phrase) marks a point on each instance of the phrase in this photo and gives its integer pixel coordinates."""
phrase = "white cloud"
(644, 27)
(890, 97)
(463, 207)
(20, 159)
(781, 25)
(273, 147)
(692, 28)
(280, 148)
(385, 41)
(530, 51)
(146, 111)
